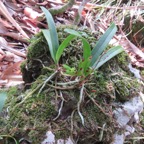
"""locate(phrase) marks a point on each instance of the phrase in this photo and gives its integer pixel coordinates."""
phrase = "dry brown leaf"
(6, 24)
(11, 71)
(136, 55)
(5, 12)
(12, 50)
(15, 36)
(31, 13)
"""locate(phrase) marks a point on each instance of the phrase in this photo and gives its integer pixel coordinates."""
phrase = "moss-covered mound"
(62, 103)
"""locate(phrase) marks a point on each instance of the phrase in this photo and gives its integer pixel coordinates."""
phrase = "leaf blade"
(73, 32)
(53, 31)
(62, 46)
(86, 48)
(103, 42)
(109, 55)
(46, 34)
(3, 96)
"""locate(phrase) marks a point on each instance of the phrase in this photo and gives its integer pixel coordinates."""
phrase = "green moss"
(30, 118)
(12, 91)
(38, 47)
(62, 134)
(95, 115)
(126, 88)
(33, 117)
(123, 58)
(23, 65)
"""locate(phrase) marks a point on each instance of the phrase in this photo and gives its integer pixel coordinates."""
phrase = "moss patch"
(33, 112)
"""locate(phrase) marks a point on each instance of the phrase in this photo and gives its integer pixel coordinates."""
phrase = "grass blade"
(109, 54)
(102, 43)
(63, 45)
(53, 32)
(3, 96)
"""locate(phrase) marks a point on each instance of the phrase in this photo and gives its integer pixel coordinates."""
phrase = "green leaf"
(53, 33)
(102, 43)
(3, 96)
(73, 32)
(66, 67)
(63, 45)
(68, 70)
(46, 34)
(83, 68)
(109, 54)
(86, 48)
(84, 65)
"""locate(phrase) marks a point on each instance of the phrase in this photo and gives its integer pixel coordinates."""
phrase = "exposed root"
(46, 81)
(61, 106)
(78, 106)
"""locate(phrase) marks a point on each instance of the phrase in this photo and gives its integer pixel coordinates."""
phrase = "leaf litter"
(10, 58)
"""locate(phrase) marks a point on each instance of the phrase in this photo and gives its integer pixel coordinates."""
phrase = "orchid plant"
(92, 59)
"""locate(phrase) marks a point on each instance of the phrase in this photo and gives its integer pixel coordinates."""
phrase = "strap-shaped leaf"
(52, 30)
(86, 55)
(73, 32)
(3, 96)
(86, 48)
(63, 45)
(102, 43)
(109, 54)
(84, 64)
(46, 34)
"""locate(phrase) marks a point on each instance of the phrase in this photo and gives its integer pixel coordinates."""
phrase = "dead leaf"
(11, 71)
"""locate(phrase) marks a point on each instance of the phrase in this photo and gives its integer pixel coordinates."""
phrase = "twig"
(62, 88)
(90, 6)
(68, 83)
(135, 49)
(15, 36)
(16, 52)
